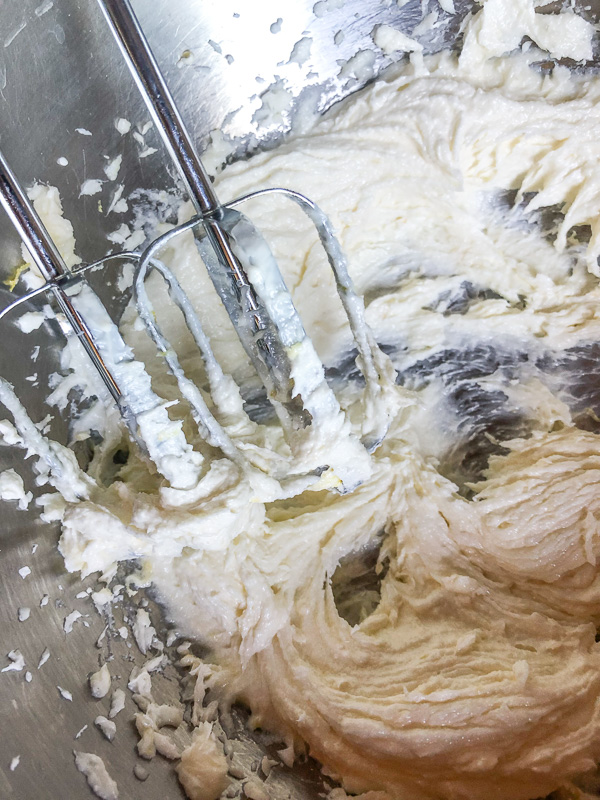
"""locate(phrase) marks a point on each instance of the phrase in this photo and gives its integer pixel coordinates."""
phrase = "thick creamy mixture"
(466, 193)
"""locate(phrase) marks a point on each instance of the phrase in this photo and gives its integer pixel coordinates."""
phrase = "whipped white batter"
(475, 673)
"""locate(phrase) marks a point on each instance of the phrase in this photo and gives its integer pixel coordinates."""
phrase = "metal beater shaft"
(49, 262)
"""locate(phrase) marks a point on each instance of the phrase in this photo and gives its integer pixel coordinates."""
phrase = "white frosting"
(100, 682)
(70, 620)
(117, 703)
(96, 774)
(17, 662)
(473, 672)
(111, 170)
(90, 187)
(12, 488)
(505, 22)
(392, 40)
(108, 728)
(163, 438)
(31, 321)
(148, 725)
(142, 630)
(122, 125)
(202, 770)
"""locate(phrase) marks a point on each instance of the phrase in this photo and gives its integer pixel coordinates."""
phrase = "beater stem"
(248, 310)
(146, 74)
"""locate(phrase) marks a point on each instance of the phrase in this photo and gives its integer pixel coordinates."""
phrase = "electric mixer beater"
(246, 277)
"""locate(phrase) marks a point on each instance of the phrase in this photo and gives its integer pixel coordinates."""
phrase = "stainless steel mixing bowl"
(60, 76)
